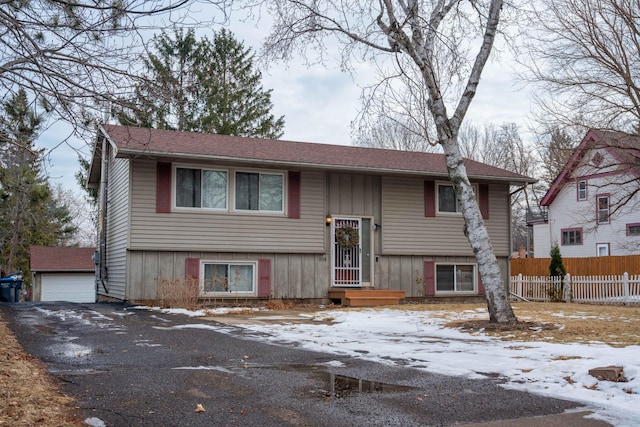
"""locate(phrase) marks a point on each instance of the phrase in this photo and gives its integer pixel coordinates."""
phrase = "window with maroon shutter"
(429, 278)
(483, 202)
(192, 268)
(429, 198)
(264, 278)
(163, 187)
(480, 285)
(294, 179)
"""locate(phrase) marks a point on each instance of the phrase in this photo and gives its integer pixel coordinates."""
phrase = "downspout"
(102, 275)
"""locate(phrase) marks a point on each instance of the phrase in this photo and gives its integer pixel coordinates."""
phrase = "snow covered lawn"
(549, 361)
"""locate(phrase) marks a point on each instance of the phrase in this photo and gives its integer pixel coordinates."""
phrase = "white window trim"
(454, 292)
(603, 245)
(449, 184)
(254, 278)
(232, 192)
(603, 196)
(174, 193)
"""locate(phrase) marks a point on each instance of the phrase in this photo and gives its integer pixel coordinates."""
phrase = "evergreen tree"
(202, 86)
(28, 213)
(556, 269)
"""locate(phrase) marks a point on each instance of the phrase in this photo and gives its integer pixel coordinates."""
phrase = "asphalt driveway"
(132, 367)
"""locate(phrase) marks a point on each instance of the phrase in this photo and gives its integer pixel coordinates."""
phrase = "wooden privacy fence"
(594, 266)
(611, 289)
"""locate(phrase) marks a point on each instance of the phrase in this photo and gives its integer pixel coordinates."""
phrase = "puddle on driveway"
(336, 385)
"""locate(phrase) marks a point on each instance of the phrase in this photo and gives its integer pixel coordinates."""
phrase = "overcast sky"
(318, 104)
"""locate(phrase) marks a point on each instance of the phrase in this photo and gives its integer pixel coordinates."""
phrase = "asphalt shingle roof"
(135, 141)
(45, 258)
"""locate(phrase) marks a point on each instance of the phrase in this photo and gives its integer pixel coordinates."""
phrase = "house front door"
(346, 246)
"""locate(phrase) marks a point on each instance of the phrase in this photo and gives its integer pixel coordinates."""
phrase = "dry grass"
(29, 396)
(617, 326)
(178, 293)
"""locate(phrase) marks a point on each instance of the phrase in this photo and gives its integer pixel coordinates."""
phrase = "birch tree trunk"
(496, 290)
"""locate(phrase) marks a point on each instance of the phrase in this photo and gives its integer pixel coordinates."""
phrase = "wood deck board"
(366, 297)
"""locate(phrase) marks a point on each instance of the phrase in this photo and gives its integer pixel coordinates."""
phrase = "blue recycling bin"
(7, 291)
(10, 287)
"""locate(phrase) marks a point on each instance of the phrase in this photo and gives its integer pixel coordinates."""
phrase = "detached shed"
(63, 274)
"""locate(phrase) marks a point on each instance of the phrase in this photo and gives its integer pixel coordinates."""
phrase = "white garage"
(68, 287)
(62, 274)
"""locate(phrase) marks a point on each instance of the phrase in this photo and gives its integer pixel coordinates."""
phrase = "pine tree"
(202, 86)
(28, 213)
(556, 269)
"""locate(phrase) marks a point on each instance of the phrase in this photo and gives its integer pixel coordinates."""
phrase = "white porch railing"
(622, 289)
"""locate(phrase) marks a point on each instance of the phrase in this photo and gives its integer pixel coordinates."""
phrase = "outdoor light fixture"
(376, 227)
(328, 220)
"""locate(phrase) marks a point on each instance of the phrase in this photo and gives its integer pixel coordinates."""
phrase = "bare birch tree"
(437, 40)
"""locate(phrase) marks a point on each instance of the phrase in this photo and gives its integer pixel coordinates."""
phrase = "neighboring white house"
(593, 206)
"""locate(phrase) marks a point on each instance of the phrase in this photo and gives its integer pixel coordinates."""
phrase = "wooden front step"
(366, 297)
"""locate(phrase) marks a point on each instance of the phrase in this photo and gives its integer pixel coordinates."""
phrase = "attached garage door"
(68, 287)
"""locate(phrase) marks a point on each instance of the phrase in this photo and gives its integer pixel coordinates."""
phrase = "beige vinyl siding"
(405, 229)
(117, 228)
(293, 275)
(225, 231)
(499, 222)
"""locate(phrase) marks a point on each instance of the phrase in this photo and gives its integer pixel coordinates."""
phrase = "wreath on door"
(347, 237)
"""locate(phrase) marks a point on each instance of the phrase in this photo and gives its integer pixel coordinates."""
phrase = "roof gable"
(624, 148)
(45, 258)
(132, 142)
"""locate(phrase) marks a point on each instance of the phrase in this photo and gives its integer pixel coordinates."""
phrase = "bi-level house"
(593, 206)
(257, 218)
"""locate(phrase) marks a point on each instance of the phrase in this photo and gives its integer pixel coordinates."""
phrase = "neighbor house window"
(633, 229)
(260, 192)
(228, 278)
(603, 209)
(582, 190)
(572, 236)
(455, 277)
(201, 188)
(602, 249)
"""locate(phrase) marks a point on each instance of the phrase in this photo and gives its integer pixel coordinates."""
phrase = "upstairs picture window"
(455, 277)
(201, 188)
(603, 209)
(259, 192)
(572, 236)
(582, 190)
